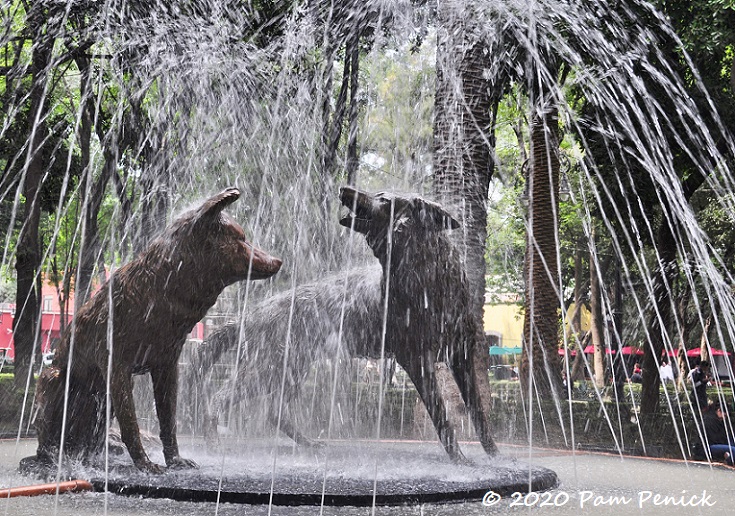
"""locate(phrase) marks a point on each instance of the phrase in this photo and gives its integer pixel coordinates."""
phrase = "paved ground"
(593, 483)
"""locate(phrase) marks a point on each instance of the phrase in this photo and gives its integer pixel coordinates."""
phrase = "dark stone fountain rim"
(425, 476)
(345, 487)
(541, 481)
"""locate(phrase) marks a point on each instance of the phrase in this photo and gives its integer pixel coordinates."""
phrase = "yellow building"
(503, 323)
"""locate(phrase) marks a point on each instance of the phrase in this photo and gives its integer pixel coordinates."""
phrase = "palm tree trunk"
(465, 106)
(540, 359)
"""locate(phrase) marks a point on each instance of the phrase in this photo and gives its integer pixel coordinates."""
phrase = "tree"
(597, 321)
(43, 29)
(541, 324)
(466, 105)
(706, 29)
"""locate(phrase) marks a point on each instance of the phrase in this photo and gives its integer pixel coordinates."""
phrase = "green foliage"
(707, 29)
(506, 243)
(79, 51)
(7, 287)
(398, 104)
(719, 223)
(396, 137)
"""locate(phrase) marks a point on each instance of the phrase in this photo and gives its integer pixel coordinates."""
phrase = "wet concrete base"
(339, 474)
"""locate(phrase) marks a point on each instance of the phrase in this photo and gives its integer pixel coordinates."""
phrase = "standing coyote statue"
(429, 317)
(141, 317)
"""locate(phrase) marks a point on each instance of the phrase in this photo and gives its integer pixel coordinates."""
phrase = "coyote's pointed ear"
(433, 217)
(213, 206)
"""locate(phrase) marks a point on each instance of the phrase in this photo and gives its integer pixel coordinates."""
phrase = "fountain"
(169, 103)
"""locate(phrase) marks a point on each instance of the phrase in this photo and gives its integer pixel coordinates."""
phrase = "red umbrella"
(589, 350)
(714, 352)
(630, 350)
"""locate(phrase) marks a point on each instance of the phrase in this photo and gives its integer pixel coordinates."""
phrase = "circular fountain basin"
(338, 474)
(589, 483)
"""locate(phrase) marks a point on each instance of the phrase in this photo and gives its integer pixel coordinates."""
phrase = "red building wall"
(50, 322)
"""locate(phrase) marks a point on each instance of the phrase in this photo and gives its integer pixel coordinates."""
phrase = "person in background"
(700, 378)
(667, 374)
(719, 440)
(637, 376)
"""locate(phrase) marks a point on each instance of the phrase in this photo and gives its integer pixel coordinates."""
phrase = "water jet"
(171, 103)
